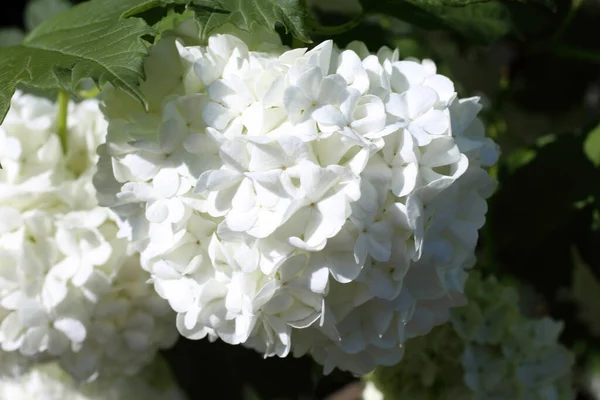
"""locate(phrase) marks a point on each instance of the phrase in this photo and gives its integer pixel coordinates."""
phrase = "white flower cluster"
(49, 382)
(70, 290)
(488, 351)
(508, 356)
(36, 173)
(323, 201)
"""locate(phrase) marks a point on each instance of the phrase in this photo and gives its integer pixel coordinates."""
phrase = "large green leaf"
(250, 14)
(38, 11)
(479, 21)
(101, 40)
(90, 40)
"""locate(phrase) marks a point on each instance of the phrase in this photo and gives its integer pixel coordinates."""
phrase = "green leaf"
(100, 40)
(11, 36)
(250, 14)
(247, 15)
(177, 23)
(38, 11)
(591, 146)
(91, 40)
(480, 22)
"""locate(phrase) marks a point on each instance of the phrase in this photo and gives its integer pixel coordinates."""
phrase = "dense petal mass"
(321, 201)
(70, 290)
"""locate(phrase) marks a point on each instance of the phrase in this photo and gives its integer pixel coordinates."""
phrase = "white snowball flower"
(323, 201)
(29, 152)
(35, 173)
(49, 382)
(70, 289)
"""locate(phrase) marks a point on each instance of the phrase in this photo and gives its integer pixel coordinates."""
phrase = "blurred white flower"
(70, 289)
(49, 382)
(323, 201)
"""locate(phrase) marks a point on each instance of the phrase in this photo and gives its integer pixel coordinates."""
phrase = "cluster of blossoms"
(323, 201)
(70, 290)
(489, 350)
(49, 382)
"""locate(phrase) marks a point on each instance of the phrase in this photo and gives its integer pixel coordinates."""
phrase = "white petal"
(35, 341)
(10, 329)
(443, 86)
(343, 267)
(216, 180)
(414, 72)
(32, 314)
(434, 122)
(141, 166)
(329, 115)
(217, 116)
(54, 291)
(404, 179)
(72, 328)
(333, 90)
(417, 100)
(361, 249)
(320, 56)
(166, 182)
(296, 101)
(157, 212)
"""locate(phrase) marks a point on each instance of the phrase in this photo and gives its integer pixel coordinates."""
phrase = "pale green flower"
(489, 350)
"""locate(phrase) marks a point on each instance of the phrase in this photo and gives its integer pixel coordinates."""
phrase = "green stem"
(337, 29)
(89, 94)
(63, 107)
(328, 30)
